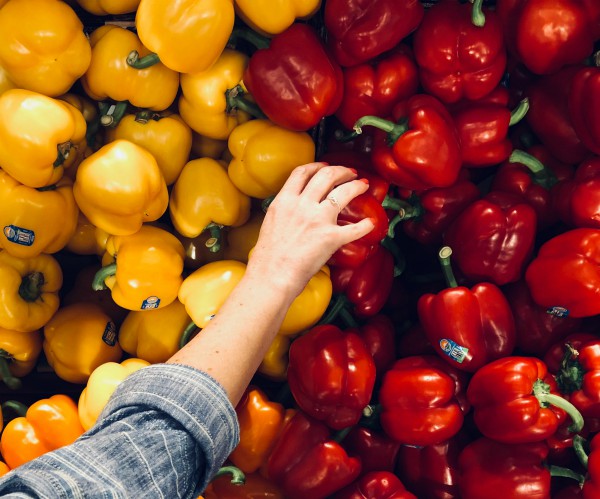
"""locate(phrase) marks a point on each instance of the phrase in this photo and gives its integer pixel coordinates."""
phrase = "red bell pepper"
(420, 149)
(515, 401)
(378, 85)
(377, 451)
(569, 492)
(564, 277)
(467, 327)
(432, 471)
(466, 60)
(546, 35)
(536, 329)
(376, 485)
(549, 118)
(584, 106)
(379, 336)
(294, 81)
(307, 462)
(359, 30)
(422, 400)
(331, 375)
(493, 238)
(591, 487)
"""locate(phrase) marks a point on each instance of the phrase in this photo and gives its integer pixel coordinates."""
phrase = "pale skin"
(297, 237)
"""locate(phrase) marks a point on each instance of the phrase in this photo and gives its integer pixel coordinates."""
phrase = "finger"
(323, 181)
(339, 197)
(352, 232)
(300, 176)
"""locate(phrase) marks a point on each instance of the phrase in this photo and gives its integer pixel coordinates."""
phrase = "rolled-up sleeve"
(164, 433)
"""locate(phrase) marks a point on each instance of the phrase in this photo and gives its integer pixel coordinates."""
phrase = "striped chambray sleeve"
(164, 433)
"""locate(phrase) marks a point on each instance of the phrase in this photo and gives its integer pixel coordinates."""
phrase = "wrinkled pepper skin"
(36, 221)
(307, 462)
(422, 400)
(467, 61)
(264, 155)
(120, 187)
(331, 375)
(47, 425)
(110, 77)
(149, 267)
(42, 45)
(565, 275)
(36, 135)
(29, 287)
(86, 329)
(496, 471)
(376, 485)
(187, 36)
(294, 81)
(270, 17)
(360, 30)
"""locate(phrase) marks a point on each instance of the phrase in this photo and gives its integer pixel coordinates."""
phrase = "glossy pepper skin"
(187, 36)
(29, 287)
(493, 238)
(591, 487)
(19, 353)
(376, 485)
(36, 134)
(467, 61)
(379, 335)
(165, 135)
(256, 486)
(307, 462)
(275, 361)
(546, 35)
(100, 386)
(106, 7)
(294, 81)
(496, 470)
(271, 18)
(85, 328)
(143, 270)
(507, 396)
(360, 30)
(420, 149)
(264, 155)
(204, 103)
(584, 106)
(331, 375)
(377, 451)
(48, 424)
(422, 400)
(204, 194)
(36, 221)
(564, 276)
(29, 60)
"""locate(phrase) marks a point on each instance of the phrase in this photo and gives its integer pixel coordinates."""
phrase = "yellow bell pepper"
(29, 289)
(204, 195)
(36, 136)
(109, 7)
(188, 36)
(165, 135)
(270, 17)
(205, 147)
(18, 355)
(145, 272)
(36, 221)
(7, 84)
(207, 103)
(154, 335)
(197, 253)
(42, 45)
(241, 239)
(100, 386)
(120, 187)
(205, 290)
(78, 339)
(110, 77)
(275, 362)
(84, 240)
(264, 155)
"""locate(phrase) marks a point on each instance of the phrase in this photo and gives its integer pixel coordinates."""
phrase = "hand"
(300, 231)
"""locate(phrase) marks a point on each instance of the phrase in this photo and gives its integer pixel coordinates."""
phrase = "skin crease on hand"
(298, 235)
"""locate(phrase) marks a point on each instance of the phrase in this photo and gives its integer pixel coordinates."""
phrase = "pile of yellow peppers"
(126, 175)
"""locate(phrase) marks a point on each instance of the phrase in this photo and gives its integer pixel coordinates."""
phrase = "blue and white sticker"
(453, 350)
(19, 235)
(557, 311)
(110, 334)
(150, 303)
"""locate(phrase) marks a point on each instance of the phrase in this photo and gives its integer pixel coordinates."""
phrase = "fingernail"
(364, 180)
(353, 170)
(324, 163)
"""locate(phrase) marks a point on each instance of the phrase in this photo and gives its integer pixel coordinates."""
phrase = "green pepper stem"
(11, 381)
(348, 318)
(579, 444)
(187, 333)
(145, 116)
(541, 391)
(18, 408)
(566, 472)
(339, 436)
(63, 151)
(235, 100)
(112, 113)
(344, 137)
(30, 288)
(335, 307)
(541, 175)
(394, 130)
(105, 272)
(519, 112)
(250, 36)
(477, 15)
(399, 260)
(135, 61)
(264, 205)
(237, 475)
(570, 376)
(444, 258)
(213, 243)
